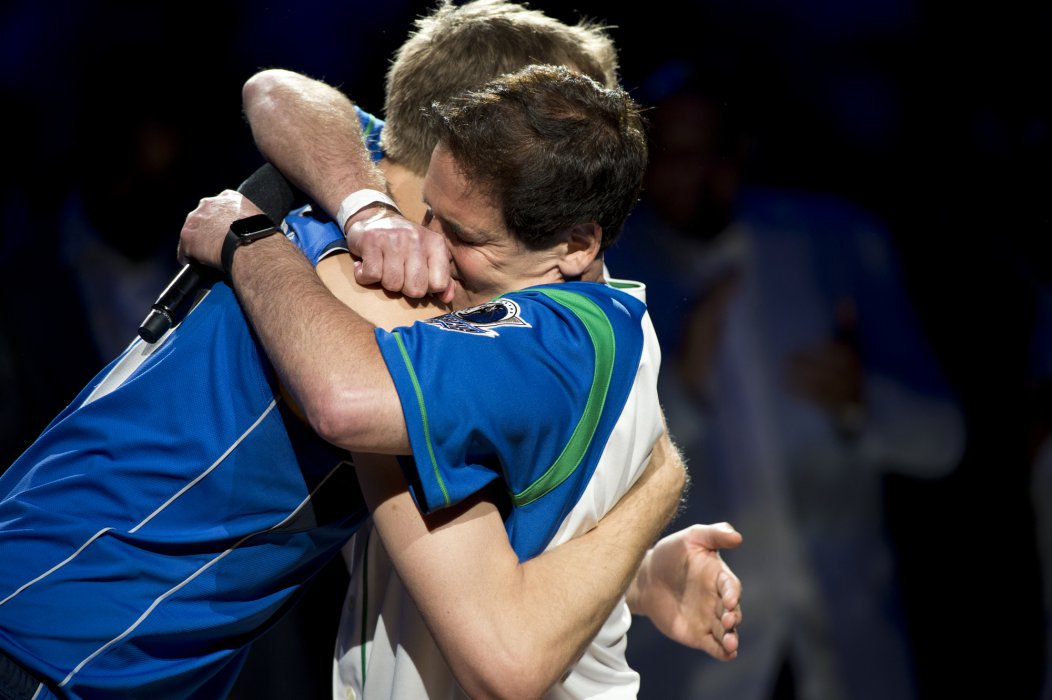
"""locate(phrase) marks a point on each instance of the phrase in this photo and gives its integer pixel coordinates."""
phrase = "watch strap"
(235, 239)
(230, 244)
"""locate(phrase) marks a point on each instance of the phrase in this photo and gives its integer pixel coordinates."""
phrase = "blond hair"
(455, 48)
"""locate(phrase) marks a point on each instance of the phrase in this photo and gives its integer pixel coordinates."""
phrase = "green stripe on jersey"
(624, 285)
(371, 127)
(602, 335)
(423, 416)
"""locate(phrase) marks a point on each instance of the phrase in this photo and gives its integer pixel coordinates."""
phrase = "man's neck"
(595, 272)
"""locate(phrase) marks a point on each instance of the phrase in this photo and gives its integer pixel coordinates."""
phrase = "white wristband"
(356, 201)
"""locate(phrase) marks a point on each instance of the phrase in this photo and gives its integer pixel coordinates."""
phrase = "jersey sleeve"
(514, 389)
(372, 128)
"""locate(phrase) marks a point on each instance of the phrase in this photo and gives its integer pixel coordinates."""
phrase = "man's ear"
(581, 248)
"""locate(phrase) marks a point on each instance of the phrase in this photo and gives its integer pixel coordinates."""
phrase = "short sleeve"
(515, 389)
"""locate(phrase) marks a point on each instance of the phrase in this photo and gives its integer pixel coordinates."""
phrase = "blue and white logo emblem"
(482, 319)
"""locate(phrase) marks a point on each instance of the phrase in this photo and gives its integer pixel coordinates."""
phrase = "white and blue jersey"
(525, 389)
(551, 391)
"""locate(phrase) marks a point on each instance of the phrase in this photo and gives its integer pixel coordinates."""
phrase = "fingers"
(716, 650)
(722, 644)
(446, 297)
(401, 257)
(410, 275)
(730, 620)
(204, 229)
(729, 588)
(729, 611)
(370, 268)
(725, 634)
(439, 281)
(425, 261)
(729, 643)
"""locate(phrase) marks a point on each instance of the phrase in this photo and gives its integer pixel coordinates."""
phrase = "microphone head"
(268, 189)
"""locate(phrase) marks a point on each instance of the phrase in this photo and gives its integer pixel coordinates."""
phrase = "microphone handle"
(167, 311)
(268, 189)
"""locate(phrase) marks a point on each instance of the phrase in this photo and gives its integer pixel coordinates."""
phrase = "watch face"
(253, 227)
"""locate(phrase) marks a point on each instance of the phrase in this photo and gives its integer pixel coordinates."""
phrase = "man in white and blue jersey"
(384, 647)
(483, 388)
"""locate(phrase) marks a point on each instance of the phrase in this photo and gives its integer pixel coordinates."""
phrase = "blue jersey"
(168, 516)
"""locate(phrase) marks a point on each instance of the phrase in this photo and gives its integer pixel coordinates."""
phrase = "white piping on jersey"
(206, 472)
(134, 356)
(58, 566)
(132, 360)
(175, 589)
(151, 516)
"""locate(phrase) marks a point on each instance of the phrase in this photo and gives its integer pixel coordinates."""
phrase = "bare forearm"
(558, 601)
(324, 353)
(461, 572)
(508, 628)
(484, 609)
(616, 548)
(310, 132)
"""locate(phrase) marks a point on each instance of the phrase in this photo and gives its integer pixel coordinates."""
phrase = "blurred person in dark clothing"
(796, 374)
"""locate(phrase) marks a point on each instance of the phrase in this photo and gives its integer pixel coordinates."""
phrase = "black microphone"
(267, 189)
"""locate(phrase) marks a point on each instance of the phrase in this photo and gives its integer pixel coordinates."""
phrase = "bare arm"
(310, 132)
(511, 629)
(266, 288)
(327, 358)
(307, 128)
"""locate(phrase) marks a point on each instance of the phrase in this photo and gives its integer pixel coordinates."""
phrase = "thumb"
(717, 536)
(447, 296)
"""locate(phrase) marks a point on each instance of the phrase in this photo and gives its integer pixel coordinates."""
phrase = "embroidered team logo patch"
(482, 319)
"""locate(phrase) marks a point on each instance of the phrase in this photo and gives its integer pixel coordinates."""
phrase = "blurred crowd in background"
(846, 240)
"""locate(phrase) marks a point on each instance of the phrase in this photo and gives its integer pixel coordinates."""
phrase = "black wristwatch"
(242, 232)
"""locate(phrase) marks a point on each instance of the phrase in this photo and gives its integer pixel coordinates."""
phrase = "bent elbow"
(258, 88)
(261, 84)
(332, 415)
(261, 95)
(516, 674)
(329, 424)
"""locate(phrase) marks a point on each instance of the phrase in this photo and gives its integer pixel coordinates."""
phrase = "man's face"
(487, 259)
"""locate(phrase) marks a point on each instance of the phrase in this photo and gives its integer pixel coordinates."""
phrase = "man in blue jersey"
(172, 549)
(466, 434)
